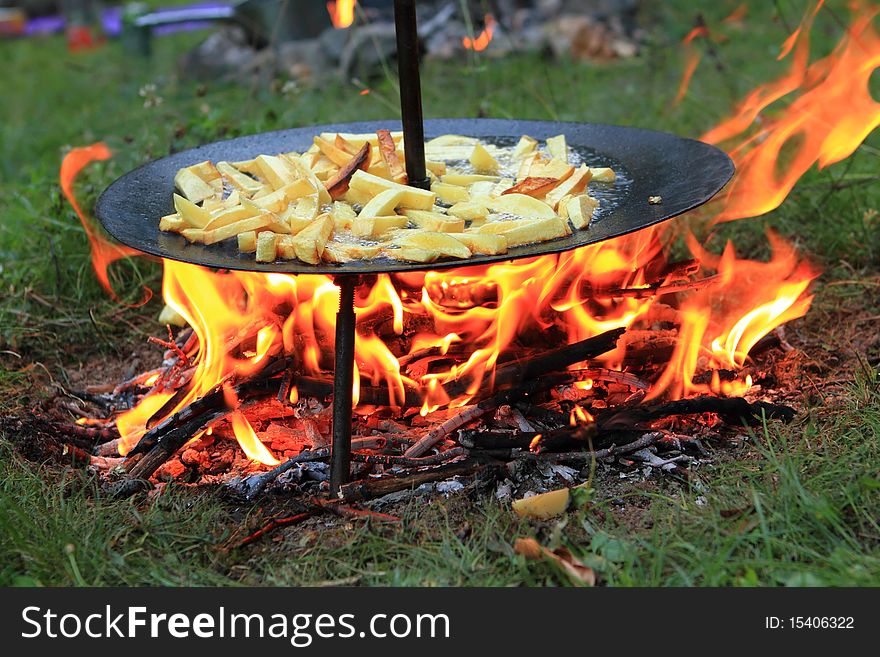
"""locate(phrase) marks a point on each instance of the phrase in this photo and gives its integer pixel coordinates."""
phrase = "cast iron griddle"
(683, 172)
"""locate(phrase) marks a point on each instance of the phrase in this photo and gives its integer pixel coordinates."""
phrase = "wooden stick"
(370, 488)
(274, 524)
(406, 462)
(734, 410)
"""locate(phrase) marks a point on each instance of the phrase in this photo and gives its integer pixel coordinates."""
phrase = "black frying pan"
(683, 172)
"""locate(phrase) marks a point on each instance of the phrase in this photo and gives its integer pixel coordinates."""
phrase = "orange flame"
(104, 252)
(341, 12)
(243, 320)
(484, 38)
(692, 58)
(832, 115)
(251, 445)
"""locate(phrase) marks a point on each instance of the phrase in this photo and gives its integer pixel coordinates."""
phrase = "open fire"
(437, 341)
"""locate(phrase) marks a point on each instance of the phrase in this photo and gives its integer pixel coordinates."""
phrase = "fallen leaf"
(560, 557)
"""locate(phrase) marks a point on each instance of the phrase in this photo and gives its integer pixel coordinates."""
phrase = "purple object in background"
(111, 19)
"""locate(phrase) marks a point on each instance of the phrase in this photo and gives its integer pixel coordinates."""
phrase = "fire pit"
(556, 356)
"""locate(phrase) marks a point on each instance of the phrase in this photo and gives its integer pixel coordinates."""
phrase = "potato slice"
(482, 243)
(343, 216)
(304, 171)
(434, 221)
(170, 316)
(307, 245)
(580, 210)
(307, 207)
(526, 231)
(411, 254)
(521, 205)
(336, 155)
(196, 235)
(338, 184)
(542, 506)
(603, 174)
(558, 148)
(359, 139)
(172, 223)
(548, 505)
(276, 202)
(191, 213)
(276, 171)
(342, 252)
(343, 144)
(431, 241)
(450, 147)
(388, 151)
(450, 193)
(254, 223)
(265, 251)
(482, 160)
(247, 242)
(471, 210)
(379, 169)
(525, 165)
(231, 215)
(419, 199)
(192, 187)
(383, 204)
(575, 184)
(525, 146)
(324, 169)
(374, 227)
(481, 189)
(537, 187)
(247, 166)
(437, 168)
(551, 168)
(466, 179)
(238, 179)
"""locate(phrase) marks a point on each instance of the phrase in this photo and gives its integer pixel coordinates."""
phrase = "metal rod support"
(410, 92)
(343, 376)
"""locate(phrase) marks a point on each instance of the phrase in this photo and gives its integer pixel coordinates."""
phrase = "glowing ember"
(484, 38)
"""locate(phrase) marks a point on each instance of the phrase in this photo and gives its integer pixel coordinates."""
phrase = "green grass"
(793, 505)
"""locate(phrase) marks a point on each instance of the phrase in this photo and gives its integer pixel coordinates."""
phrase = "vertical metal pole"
(410, 92)
(343, 376)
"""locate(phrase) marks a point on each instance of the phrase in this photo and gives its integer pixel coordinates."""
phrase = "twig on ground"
(274, 524)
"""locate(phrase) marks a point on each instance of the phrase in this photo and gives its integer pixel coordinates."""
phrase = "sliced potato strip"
(420, 199)
(442, 243)
(191, 213)
(247, 242)
(373, 227)
(581, 209)
(412, 254)
(192, 187)
(345, 199)
(485, 244)
(558, 148)
(521, 205)
(537, 187)
(482, 159)
(450, 193)
(526, 231)
(265, 248)
(224, 233)
(434, 221)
